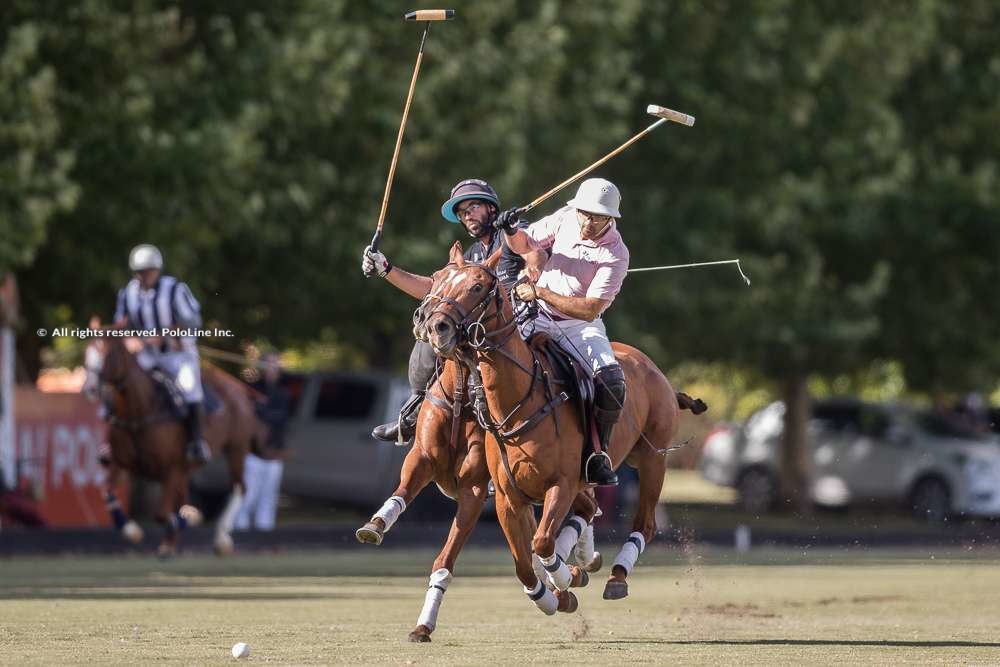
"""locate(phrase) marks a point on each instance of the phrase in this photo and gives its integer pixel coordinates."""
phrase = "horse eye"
(477, 288)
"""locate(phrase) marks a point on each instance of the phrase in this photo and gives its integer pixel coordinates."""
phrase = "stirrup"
(612, 481)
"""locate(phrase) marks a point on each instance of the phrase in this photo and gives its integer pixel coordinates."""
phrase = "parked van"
(331, 454)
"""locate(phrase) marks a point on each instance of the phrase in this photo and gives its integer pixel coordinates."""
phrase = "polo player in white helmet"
(152, 301)
(587, 265)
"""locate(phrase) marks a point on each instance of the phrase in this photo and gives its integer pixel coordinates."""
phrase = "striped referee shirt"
(168, 304)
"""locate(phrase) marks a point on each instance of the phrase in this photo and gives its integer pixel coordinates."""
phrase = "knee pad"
(609, 387)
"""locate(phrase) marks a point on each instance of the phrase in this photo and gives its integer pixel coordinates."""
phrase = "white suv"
(863, 452)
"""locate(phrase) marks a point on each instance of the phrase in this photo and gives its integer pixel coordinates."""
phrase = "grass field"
(357, 606)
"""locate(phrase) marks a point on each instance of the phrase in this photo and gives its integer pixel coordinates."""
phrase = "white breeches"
(587, 341)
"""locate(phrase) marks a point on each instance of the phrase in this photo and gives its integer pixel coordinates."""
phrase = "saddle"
(173, 397)
(576, 380)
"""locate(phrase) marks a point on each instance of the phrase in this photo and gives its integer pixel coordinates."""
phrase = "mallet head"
(670, 114)
(430, 15)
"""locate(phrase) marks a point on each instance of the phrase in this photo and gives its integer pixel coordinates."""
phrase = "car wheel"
(757, 491)
(930, 501)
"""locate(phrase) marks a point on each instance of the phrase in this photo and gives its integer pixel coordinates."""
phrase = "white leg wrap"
(557, 571)
(224, 525)
(630, 552)
(390, 511)
(585, 546)
(536, 565)
(432, 601)
(572, 528)
(543, 598)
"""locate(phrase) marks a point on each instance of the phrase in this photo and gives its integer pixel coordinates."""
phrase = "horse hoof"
(420, 635)
(567, 602)
(615, 589)
(369, 534)
(580, 577)
(596, 564)
(224, 545)
(132, 532)
(191, 514)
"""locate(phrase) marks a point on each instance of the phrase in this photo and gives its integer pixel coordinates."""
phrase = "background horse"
(147, 440)
(473, 323)
(453, 455)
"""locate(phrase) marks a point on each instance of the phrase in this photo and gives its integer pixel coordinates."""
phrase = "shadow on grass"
(126, 594)
(879, 643)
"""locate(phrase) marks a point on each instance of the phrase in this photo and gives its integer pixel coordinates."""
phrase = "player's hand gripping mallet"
(426, 15)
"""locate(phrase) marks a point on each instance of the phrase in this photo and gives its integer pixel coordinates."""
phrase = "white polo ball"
(241, 650)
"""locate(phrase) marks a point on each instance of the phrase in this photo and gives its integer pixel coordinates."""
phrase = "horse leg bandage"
(432, 600)
(630, 552)
(224, 525)
(390, 511)
(585, 546)
(557, 570)
(543, 598)
(570, 533)
(115, 508)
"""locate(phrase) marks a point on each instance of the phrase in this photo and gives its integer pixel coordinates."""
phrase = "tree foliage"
(847, 153)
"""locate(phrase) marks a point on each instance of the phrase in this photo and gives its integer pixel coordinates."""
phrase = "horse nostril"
(441, 327)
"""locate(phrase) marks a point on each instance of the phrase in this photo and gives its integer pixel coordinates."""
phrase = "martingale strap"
(456, 416)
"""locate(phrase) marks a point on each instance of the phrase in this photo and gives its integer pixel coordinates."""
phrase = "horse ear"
(456, 254)
(494, 259)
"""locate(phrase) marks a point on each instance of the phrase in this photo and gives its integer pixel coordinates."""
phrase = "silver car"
(861, 453)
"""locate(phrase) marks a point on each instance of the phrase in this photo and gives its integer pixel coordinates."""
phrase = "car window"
(942, 426)
(837, 416)
(345, 399)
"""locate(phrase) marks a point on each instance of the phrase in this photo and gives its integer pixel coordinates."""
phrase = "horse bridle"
(470, 328)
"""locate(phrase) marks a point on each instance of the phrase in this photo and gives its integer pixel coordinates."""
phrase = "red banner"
(57, 437)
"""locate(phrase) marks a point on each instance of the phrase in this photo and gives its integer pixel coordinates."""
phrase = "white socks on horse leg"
(390, 511)
(224, 525)
(543, 598)
(585, 553)
(432, 600)
(570, 532)
(557, 571)
(630, 552)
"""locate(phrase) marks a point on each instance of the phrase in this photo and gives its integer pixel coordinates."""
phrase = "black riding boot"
(198, 451)
(423, 361)
(609, 397)
(403, 429)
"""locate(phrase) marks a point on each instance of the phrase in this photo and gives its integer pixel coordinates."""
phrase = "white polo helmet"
(145, 256)
(597, 195)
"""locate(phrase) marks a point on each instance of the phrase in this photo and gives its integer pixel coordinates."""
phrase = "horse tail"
(695, 405)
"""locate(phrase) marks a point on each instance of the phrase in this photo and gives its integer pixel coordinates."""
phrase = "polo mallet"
(426, 15)
(664, 115)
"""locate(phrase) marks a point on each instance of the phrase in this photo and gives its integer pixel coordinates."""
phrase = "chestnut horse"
(533, 457)
(449, 450)
(146, 440)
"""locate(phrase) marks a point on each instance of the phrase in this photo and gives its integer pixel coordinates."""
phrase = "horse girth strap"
(456, 416)
(535, 419)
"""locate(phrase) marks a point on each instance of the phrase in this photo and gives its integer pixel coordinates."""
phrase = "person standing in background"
(263, 469)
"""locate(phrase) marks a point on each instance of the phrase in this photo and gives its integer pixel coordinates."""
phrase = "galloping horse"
(149, 442)
(535, 442)
(449, 450)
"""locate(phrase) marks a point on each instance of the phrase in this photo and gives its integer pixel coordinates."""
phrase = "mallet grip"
(670, 114)
(430, 15)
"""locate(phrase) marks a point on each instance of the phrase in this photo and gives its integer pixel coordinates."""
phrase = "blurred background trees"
(847, 153)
